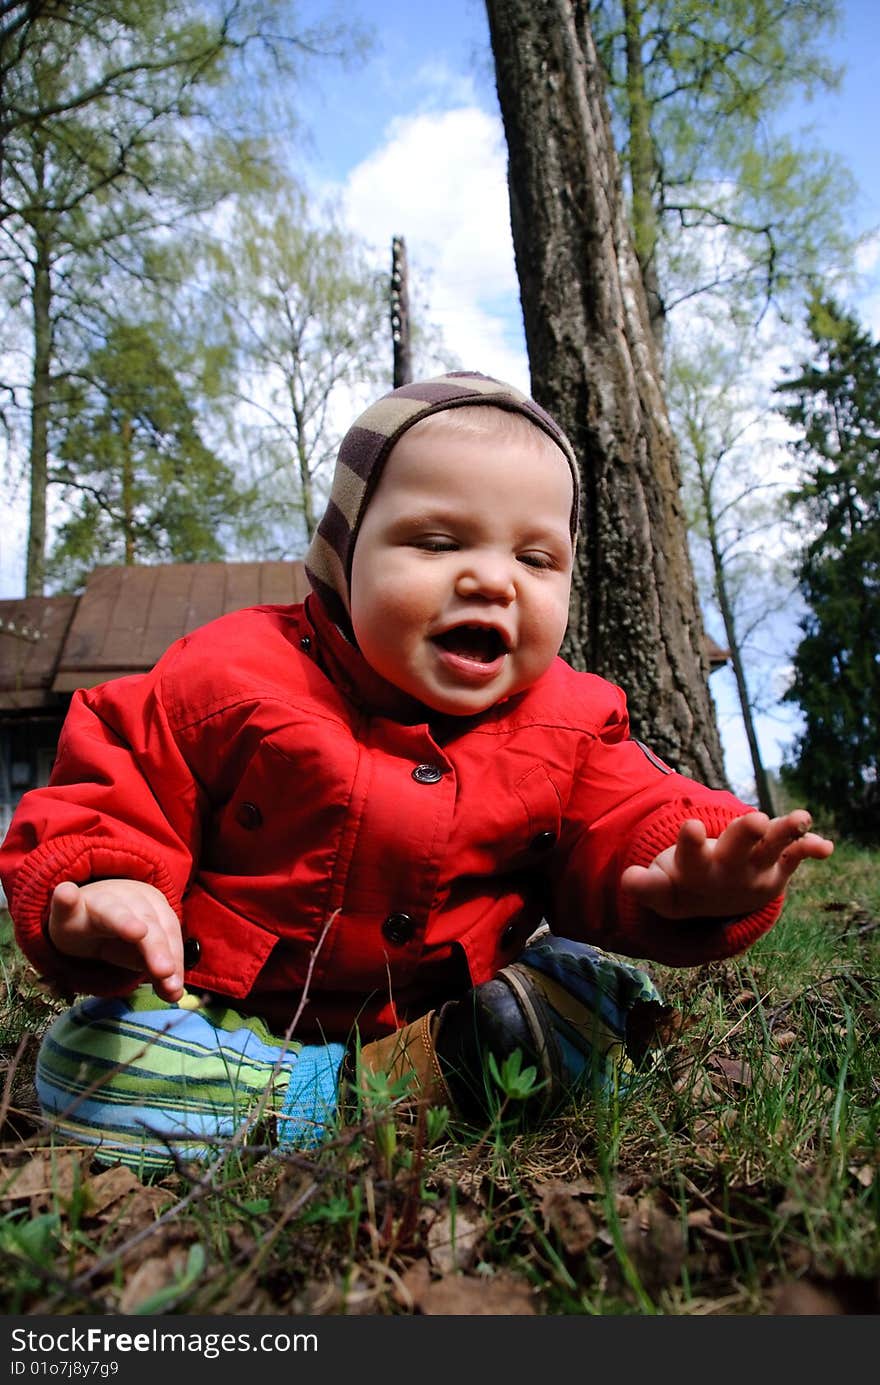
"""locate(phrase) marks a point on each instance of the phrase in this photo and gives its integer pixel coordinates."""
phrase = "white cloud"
(867, 255)
(868, 290)
(439, 85)
(440, 181)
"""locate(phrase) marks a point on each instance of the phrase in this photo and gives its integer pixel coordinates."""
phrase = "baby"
(341, 823)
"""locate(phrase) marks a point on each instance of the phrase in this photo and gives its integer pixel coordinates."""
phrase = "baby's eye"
(537, 560)
(435, 543)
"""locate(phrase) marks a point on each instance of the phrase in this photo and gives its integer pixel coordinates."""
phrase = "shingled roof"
(128, 616)
(32, 632)
(124, 621)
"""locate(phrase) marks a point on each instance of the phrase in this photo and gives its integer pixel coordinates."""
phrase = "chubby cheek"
(384, 613)
(549, 622)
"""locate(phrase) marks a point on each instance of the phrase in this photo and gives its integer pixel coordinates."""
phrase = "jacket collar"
(349, 671)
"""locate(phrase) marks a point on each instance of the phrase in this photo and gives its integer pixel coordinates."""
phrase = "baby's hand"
(126, 922)
(736, 873)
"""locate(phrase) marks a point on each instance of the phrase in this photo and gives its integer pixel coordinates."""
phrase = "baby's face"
(462, 565)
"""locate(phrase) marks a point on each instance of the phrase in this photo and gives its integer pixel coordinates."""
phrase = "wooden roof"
(128, 616)
(125, 620)
(32, 632)
(717, 656)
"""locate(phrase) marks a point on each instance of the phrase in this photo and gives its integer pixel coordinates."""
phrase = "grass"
(739, 1177)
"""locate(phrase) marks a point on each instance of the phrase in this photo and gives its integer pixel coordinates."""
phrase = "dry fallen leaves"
(473, 1295)
(656, 1245)
(45, 1175)
(820, 1297)
(150, 1278)
(734, 1071)
(453, 1239)
(564, 1212)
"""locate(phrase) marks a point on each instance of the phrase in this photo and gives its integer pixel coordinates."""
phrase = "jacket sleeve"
(121, 803)
(626, 807)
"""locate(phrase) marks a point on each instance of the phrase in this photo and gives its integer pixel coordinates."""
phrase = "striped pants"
(147, 1083)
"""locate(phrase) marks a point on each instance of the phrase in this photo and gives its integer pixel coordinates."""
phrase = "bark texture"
(635, 616)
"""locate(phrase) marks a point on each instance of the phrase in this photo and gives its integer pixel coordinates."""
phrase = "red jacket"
(270, 784)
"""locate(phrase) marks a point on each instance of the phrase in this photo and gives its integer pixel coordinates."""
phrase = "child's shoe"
(582, 1019)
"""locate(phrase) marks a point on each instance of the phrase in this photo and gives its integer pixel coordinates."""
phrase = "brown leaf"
(655, 1243)
(576, 1187)
(625, 1206)
(651, 1024)
(111, 1185)
(453, 1240)
(476, 1296)
(142, 1209)
(734, 1070)
(701, 1217)
(864, 1175)
(151, 1276)
(744, 998)
(412, 1284)
(805, 1299)
(45, 1174)
(691, 1082)
(563, 1213)
(706, 1132)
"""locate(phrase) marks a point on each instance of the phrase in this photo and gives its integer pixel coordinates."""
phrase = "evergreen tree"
(835, 408)
(139, 481)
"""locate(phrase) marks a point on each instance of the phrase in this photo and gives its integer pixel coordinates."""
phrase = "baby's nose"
(489, 578)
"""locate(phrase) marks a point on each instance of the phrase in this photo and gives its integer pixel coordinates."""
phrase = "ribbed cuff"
(311, 1099)
(687, 942)
(79, 858)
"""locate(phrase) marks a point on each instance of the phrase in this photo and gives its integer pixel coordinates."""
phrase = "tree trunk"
(722, 595)
(634, 614)
(306, 481)
(41, 388)
(400, 334)
(128, 492)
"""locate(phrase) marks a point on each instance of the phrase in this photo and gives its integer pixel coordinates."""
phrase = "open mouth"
(475, 642)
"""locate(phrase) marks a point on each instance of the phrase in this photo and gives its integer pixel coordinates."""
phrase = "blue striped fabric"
(146, 1083)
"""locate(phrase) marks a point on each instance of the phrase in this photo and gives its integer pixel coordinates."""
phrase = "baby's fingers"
(781, 835)
(690, 848)
(66, 910)
(737, 844)
(650, 885)
(77, 926)
(809, 847)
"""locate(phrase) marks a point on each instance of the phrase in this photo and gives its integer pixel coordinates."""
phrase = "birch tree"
(307, 318)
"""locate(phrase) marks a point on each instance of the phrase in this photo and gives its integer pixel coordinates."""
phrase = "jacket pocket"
(543, 808)
(228, 951)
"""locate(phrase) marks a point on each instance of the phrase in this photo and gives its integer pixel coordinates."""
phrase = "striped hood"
(363, 453)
